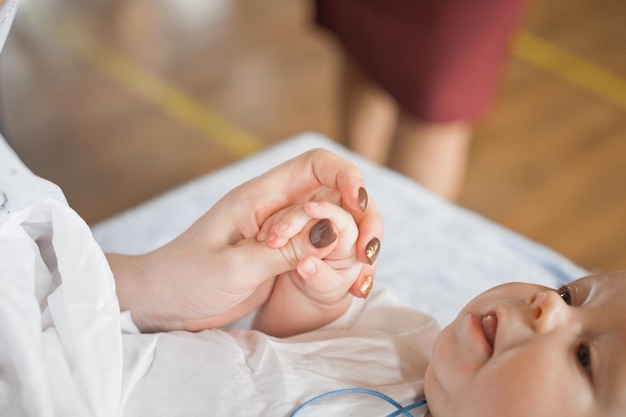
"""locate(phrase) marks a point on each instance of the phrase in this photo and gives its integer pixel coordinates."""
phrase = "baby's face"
(526, 350)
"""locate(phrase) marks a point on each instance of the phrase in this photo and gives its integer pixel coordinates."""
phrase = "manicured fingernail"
(366, 286)
(362, 198)
(372, 249)
(322, 234)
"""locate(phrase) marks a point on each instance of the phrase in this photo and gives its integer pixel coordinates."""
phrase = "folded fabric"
(62, 347)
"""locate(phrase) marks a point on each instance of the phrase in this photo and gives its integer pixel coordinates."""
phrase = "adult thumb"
(317, 238)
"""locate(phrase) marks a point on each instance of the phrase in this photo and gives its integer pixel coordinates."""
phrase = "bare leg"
(369, 115)
(433, 154)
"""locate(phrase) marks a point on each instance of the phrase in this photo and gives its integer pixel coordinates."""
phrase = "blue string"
(400, 409)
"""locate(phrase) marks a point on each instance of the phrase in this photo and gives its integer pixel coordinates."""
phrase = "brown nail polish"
(322, 234)
(362, 198)
(366, 286)
(372, 249)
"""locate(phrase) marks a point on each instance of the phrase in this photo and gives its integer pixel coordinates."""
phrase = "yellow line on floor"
(174, 102)
(570, 67)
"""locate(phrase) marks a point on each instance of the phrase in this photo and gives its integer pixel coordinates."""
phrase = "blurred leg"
(433, 154)
(369, 115)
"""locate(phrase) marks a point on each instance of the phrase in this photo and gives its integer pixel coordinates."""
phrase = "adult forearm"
(177, 288)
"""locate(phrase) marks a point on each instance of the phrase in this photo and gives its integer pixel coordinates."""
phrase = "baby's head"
(527, 350)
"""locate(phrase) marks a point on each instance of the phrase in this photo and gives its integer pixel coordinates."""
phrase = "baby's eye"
(565, 295)
(584, 357)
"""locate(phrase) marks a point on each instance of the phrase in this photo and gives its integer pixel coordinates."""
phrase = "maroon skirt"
(439, 59)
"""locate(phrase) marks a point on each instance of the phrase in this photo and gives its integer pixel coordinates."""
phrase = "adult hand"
(217, 271)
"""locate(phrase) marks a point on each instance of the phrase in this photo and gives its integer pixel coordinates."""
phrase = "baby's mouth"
(489, 322)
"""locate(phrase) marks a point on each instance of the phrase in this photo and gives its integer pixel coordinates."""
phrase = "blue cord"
(400, 409)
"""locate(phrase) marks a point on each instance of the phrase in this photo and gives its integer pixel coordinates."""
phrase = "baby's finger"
(266, 227)
(323, 283)
(288, 225)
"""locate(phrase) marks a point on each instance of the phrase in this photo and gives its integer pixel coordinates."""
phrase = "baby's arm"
(317, 291)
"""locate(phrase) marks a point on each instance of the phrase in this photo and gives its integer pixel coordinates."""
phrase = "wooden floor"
(117, 101)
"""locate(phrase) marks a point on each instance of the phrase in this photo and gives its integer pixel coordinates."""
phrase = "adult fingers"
(371, 232)
(324, 283)
(362, 286)
(301, 177)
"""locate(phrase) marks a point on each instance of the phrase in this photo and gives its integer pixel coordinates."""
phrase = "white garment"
(61, 350)
(7, 13)
(378, 345)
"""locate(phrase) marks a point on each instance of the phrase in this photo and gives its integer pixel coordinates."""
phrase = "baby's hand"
(321, 237)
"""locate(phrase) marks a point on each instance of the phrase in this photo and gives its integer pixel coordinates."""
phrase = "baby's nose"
(549, 310)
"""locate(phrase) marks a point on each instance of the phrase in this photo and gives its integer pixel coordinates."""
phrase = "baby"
(515, 350)
(526, 350)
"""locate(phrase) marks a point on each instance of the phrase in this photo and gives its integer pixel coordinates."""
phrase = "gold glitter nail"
(366, 286)
(372, 249)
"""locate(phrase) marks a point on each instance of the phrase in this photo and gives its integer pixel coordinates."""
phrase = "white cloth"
(380, 345)
(7, 14)
(61, 353)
